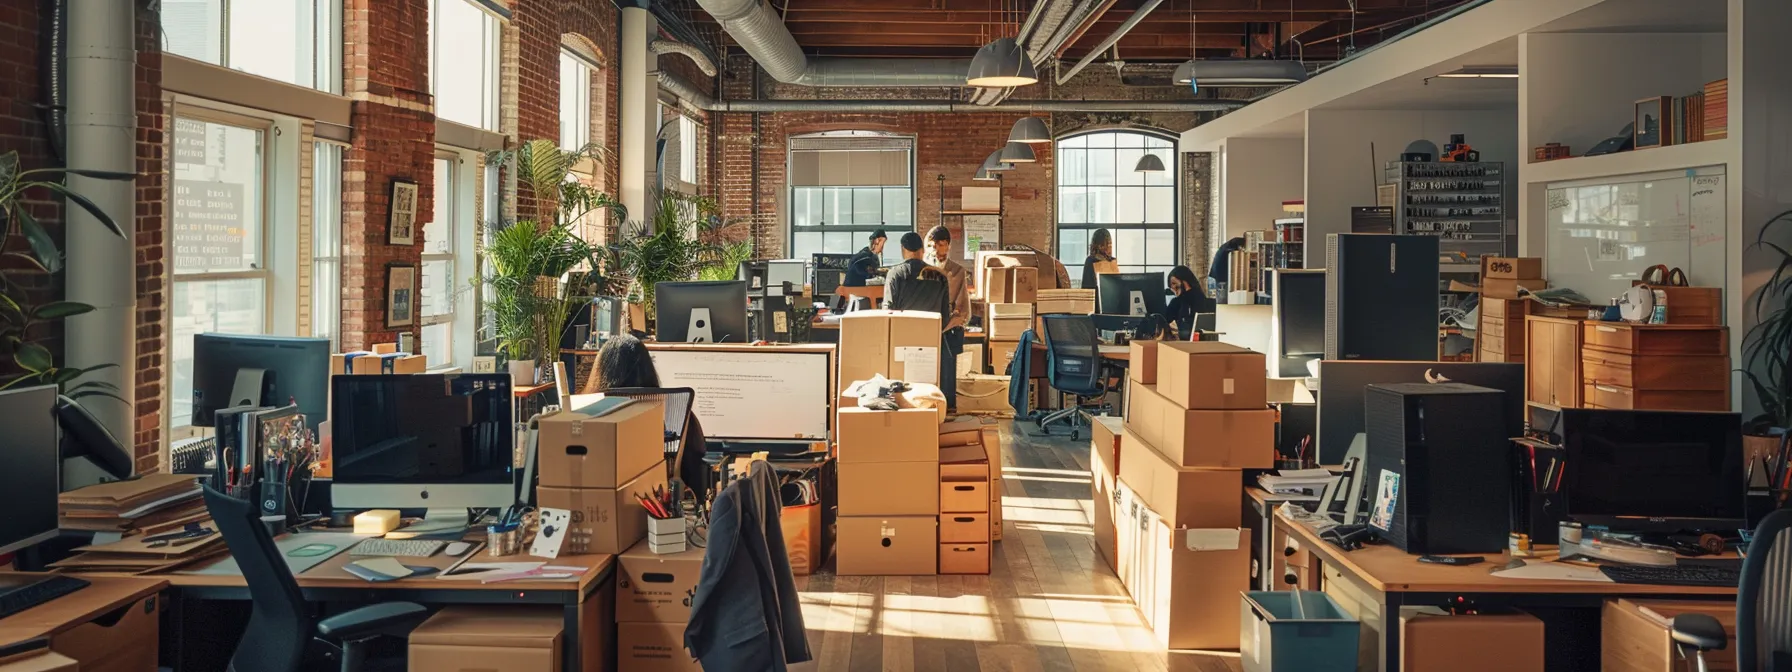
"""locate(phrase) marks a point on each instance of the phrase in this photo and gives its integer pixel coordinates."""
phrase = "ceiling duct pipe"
(691, 96)
(763, 36)
(1138, 15)
(663, 47)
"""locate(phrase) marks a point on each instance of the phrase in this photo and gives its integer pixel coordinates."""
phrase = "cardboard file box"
(964, 558)
(656, 588)
(887, 546)
(964, 497)
(494, 638)
(964, 528)
(604, 520)
(578, 450)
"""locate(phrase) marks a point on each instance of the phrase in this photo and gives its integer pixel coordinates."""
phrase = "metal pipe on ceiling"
(689, 95)
(663, 47)
(1126, 27)
(763, 36)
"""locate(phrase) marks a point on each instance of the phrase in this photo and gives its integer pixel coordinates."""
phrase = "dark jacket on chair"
(745, 616)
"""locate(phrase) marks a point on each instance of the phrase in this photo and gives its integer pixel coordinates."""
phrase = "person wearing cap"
(863, 265)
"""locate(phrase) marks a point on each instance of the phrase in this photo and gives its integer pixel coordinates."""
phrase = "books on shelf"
(1700, 116)
(1716, 112)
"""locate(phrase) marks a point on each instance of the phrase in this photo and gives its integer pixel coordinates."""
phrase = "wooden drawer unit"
(1656, 339)
(1509, 309)
(1655, 372)
(1504, 334)
(1552, 363)
(1627, 398)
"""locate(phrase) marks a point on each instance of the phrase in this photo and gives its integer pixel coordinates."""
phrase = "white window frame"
(326, 43)
(1173, 165)
(687, 149)
(492, 41)
(579, 125)
(326, 237)
(447, 197)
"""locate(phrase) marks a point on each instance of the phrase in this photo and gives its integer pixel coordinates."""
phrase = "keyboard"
(28, 596)
(405, 548)
(1682, 575)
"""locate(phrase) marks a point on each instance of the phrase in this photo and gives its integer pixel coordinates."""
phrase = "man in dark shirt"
(1220, 271)
(895, 296)
(864, 264)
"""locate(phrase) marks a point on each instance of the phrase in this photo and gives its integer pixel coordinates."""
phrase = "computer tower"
(1380, 297)
(1439, 467)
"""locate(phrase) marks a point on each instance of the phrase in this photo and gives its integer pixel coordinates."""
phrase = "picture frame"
(401, 224)
(1654, 122)
(401, 295)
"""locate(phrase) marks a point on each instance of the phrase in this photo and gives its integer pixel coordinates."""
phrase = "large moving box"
(1233, 439)
(888, 493)
(887, 546)
(1186, 581)
(489, 638)
(1184, 496)
(578, 449)
(604, 520)
(1433, 640)
(876, 342)
(1103, 456)
(1211, 375)
(656, 587)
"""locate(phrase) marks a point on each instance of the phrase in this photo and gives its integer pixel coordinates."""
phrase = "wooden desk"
(587, 601)
(66, 612)
(69, 623)
(1388, 578)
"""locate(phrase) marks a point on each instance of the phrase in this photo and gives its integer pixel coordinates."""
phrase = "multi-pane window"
(1099, 188)
(575, 100)
(847, 185)
(293, 41)
(687, 149)
(463, 57)
(438, 289)
(326, 242)
(219, 233)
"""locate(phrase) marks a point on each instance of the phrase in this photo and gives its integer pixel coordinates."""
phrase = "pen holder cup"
(666, 535)
(503, 540)
(1287, 463)
(1540, 516)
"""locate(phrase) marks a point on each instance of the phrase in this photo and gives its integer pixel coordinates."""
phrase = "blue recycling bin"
(1296, 631)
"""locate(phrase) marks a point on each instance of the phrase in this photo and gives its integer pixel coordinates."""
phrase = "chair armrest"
(373, 619)
(1699, 631)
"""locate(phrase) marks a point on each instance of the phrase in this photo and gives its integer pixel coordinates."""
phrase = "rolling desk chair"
(1763, 606)
(1073, 366)
(281, 628)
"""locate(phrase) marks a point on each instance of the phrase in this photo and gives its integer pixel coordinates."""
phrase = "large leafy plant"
(1767, 347)
(21, 312)
(687, 238)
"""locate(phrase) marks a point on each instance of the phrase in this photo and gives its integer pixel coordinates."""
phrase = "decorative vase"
(522, 372)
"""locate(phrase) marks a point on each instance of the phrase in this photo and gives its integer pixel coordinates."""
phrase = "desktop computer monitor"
(1297, 321)
(701, 312)
(1136, 294)
(231, 370)
(432, 441)
(1341, 394)
(1654, 471)
(786, 276)
(30, 467)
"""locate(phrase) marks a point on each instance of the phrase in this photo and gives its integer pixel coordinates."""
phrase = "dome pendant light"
(1149, 163)
(1030, 130)
(1018, 152)
(994, 162)
(1185, 73)
(1002, 63)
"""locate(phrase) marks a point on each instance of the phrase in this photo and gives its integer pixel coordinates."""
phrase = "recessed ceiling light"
(1483, 72)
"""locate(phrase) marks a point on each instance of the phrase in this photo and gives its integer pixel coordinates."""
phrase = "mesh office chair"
(1073, 366)
(281, 626)
(1763, 606)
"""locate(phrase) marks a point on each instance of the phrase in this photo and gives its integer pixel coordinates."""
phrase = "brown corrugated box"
(1433, 640)
(964, 463)
(1232, 439)
(489, 638)
(908, 435)
(1187, 497)
(887, 546)
(1007, 321)
(653, 647)
(579, 451)
(964, 528)
(1012, 284)
(1141, 362)
(889, 488)
(1634, 634)
(870, 339)
(964, 558)
(1511, 268)
(604, 520)
(656, 588)
(1102, 480)
(1186, 581)
(1211, 375)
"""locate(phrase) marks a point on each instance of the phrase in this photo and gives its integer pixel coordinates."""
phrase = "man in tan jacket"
(958, 288)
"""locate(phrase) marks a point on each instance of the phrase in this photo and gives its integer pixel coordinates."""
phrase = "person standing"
(1220, 271)
(952, 338)
(1101, 257)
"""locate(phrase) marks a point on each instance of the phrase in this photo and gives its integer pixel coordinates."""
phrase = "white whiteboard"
(752, 395)
(1601, 234)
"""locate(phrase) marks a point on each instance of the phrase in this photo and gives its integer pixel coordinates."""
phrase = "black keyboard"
(28, 596)
(1682, 575)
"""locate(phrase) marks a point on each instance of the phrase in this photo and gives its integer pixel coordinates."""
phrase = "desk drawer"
(1626, 398)
(966, 528)
(1655, 372)
(123, 640)
(1647, 339)
(964, 497)
(1503, 335)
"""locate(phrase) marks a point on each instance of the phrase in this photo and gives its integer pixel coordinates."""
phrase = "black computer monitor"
(1297, 329)
(1130, 294)
(701, 312)
(286, 369)
(1341, 394)
(432, 441)
(30, 464)
(1654, 471)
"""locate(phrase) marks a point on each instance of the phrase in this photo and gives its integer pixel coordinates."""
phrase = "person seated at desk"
(1190, 298)
(863, 265)
(624, 362)
(1101, 257)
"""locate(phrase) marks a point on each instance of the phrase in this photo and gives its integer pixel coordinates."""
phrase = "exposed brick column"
(150, 368)
(386, 73)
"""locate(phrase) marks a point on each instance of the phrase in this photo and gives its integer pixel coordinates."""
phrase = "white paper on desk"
(919, 365)
(474, 571)
(554, 523)
(1554, 571)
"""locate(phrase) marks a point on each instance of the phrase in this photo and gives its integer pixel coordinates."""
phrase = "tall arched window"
(1099, 188)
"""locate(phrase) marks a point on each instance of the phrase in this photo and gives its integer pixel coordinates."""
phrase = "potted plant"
(1767, 349)
(21, 309)
(687, 239)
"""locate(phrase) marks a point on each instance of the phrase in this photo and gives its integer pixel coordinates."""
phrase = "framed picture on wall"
(401, 295)
(1654, 119)
(401, 228)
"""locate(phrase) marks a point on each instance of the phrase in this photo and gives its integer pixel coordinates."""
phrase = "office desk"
(1389, 578)
(62, 619)
(586, 601)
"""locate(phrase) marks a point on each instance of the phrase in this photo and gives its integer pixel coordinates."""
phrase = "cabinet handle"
(1607, 389)
(1609, 330)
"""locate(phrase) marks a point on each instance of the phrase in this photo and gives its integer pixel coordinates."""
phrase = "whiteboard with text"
(1602, 233)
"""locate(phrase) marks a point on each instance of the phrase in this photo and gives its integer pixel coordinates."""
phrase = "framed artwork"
(401, 228)
(1654, 118)
(401, 295)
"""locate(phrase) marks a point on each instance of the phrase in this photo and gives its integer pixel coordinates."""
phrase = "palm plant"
(20, 317)
(687, 238)
(1767, 347)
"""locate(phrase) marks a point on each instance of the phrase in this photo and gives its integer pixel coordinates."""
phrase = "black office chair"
(281, 627)
(1073, 366)
(1763, 606)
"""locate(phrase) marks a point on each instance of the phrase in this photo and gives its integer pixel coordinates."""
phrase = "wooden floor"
(1049, 602)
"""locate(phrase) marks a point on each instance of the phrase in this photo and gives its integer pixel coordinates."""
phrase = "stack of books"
(125, 506)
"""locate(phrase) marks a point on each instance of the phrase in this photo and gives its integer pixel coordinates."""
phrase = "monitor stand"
(247, 389)
(449, 524)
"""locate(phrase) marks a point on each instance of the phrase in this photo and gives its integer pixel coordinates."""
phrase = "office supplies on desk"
(551, 533)
(301, 552)
(380, 570)
(409, 548)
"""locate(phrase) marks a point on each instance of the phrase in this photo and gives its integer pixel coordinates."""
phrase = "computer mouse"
(456, 548)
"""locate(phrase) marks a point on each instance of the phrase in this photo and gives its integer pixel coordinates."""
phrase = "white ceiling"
(1414, 92)
(1633, 16)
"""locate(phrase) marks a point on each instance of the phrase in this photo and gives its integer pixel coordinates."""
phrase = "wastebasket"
(1296, 631)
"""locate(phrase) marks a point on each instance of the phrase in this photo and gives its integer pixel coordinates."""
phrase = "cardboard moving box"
(887, 546)
(964, 496)
(889, 489)
(653, 647)
(576, 450)
(964, 528)
(875, 342)
(604, 520)
(1230, 439)
(656, 588)
(907, 435)
(964, 558)
(1187, 582)
(983, 393)
(1011, 284)
(489, 638)
(1184, 496)
(1433, 640)
(1211, 375)
(1141, 362)
(1007, 321)
(1102, 481)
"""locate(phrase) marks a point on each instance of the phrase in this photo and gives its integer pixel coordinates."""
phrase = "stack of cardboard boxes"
(1499, 336)
(889, 491)
(992, 446)
(965, 501)
(1193, 424)
(384, 358)
(592, 462)
(1009, 293)
(653, 604)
